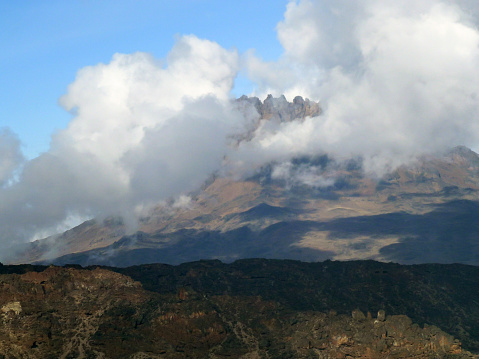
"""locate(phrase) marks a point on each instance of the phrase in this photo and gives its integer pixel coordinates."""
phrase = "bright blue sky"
(44, 43)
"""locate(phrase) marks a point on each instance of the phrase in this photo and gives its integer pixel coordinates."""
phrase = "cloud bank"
(142, 131)
(395, 80)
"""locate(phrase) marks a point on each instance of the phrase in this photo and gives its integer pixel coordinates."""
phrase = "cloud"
(10, 156)
(307, 174)
(320, 33)
(182, 154)
(136, 118)
(142, 131)
(395, 79)
(114, 103)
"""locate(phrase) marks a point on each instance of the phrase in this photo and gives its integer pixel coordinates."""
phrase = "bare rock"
(381, 316)
(358, 315)
(279, 109)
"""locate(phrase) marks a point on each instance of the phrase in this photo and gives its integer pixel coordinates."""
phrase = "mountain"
(248, 309)
(310, 209)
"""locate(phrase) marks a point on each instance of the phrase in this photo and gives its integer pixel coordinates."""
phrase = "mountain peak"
(279, 108)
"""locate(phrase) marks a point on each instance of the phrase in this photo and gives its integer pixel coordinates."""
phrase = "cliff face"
(53, 312)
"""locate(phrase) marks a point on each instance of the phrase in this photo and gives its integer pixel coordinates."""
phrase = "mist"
(396, 80)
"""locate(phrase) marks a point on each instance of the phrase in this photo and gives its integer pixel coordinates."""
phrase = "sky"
(109, 107)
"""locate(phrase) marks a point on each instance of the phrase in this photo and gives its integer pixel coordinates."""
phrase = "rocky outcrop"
(57, 312)
(360, 336)
(280, 109)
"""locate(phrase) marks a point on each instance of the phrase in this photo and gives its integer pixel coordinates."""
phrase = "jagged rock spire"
(279, 108)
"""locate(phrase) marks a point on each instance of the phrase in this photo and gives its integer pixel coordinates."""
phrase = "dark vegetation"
(438, 294)
(443, 295)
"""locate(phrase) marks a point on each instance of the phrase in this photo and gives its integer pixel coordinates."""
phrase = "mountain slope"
(420, 215)
(310, 208)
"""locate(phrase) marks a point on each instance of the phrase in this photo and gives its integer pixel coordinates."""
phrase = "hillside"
(247, 309)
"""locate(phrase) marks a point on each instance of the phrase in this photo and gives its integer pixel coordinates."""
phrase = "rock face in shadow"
(195, 311)
(191, 245)
(446, 234)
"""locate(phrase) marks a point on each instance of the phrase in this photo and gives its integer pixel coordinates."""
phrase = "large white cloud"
(114, 103)
(396, 79)
(142, 130)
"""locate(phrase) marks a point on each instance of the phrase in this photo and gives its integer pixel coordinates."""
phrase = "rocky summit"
(282, 110)
(209, 309)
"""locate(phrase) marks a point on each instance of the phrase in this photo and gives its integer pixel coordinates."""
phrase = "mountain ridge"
(293, 210)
